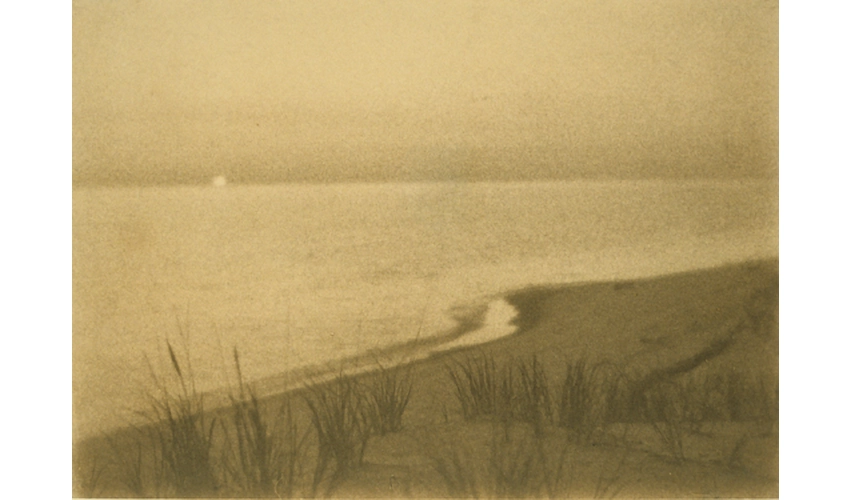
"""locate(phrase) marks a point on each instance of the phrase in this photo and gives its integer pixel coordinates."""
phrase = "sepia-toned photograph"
(402, 249)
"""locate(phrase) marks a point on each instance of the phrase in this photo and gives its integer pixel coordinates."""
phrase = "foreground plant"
(266, 455)
(514, 462)
(475, 380)
(89, 483)
(578, 405)
(339, 417)
(130, 466)
(181, 431)
(387, 397)
(517, 391)
(533, 402)
(665, 407)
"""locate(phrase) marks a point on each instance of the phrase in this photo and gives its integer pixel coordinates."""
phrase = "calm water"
(302, 274)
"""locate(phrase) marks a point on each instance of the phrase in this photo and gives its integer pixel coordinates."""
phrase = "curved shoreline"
(527, 305)
(682, 324)
(531, 307)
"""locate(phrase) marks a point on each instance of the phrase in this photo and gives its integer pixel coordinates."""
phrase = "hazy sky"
(180, 91)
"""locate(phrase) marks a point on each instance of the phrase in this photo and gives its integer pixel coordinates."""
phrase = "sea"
(300, 278)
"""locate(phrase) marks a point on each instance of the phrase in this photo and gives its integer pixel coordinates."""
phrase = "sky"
(331, 91)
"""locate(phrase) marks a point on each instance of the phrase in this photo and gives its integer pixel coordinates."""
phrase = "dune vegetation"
(673, 392)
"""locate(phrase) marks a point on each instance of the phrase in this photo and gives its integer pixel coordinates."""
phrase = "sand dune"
(690, 328)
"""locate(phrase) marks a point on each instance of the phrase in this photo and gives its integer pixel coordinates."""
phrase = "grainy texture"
(642, 328)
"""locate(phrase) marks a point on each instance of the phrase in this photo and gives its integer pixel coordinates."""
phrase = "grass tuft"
(265, 456)
(578, 405)
(514, 462)
(457, 472)
(533, 404)
(665, 411)
(518, 391)
(181, 431)
(339, 418)
(517, 465)
(476, 384)
(386, 399)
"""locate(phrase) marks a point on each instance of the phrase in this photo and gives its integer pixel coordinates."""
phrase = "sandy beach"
(429, 249)
(709, 331)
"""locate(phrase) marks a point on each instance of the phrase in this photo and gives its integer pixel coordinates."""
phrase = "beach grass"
(387, 397)
(475, 379)
(579, 408)
(457, 472)
(509, 463)
(264, 456)
(184, 438)
(338, 413)
(537, 417)
(517, 390)
(516, 461)
(665, 410)
(534, 403)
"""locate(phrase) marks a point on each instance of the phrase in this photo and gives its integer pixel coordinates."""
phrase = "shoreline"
(684, 324)
(528, 311)
(529, 303)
